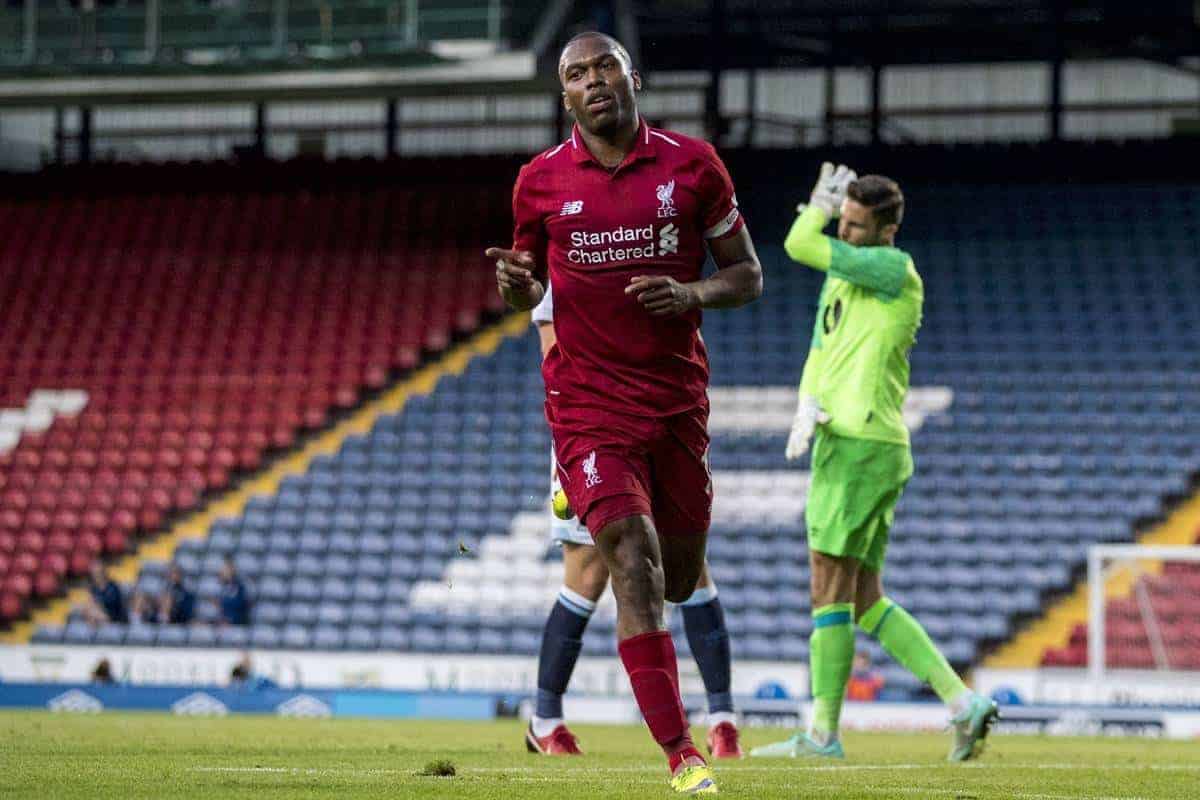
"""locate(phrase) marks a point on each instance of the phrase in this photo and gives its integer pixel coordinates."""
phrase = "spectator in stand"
(235, 601)
(142, 609)
(178, 604)
(106, 603)
(865, 682)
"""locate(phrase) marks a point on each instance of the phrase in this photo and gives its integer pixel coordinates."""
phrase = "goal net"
(1143, 610)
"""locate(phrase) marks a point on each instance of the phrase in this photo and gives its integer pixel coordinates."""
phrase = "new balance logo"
(668, 239)
(591, 475)
(571, 207)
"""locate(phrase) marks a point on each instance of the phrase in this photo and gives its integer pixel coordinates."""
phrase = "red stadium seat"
(12, 606)
(80, 563)
(31, 542)
(228, 345)
(19, 584)
(115, 542)
(46, 584)
(25, 563)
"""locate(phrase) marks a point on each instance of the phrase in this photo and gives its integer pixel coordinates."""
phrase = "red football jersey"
(593, 229)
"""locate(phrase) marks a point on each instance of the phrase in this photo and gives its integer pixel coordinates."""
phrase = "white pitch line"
(1108, 767)
(738, 768)
(524, 775)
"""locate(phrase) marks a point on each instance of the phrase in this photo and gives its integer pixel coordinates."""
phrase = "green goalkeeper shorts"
(852, 498)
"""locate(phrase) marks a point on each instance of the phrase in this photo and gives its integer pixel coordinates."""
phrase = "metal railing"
(87, 32)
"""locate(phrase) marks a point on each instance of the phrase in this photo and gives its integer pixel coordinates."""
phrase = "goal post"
(1160, 605)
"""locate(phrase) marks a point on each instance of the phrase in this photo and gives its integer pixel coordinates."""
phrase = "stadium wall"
(396, 671)
(211, 700)
(1075, 686)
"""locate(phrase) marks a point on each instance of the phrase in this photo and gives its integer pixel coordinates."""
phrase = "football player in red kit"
(618, 218)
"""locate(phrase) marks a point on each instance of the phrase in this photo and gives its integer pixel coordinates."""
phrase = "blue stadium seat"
(141, 635)
(265, 636)
(202, 636)
(360, 637)
(394, 639)
(172, 636)
(48, 634)
(109, 634)
(1063, 431)
(233, 636)
(327, 637)
(269, 612)
(296, 637)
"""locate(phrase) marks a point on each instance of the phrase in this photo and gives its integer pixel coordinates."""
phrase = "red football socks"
(649, 658)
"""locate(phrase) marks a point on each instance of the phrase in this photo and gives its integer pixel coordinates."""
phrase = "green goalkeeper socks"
(831, 654)
(907, 642)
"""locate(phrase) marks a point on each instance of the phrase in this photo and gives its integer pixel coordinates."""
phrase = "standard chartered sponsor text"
(642, 239)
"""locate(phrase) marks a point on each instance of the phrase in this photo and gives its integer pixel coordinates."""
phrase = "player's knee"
(678, 591)
(593, 578)
(630, 562)
(638, 584)
(637, 566)
(681, 584)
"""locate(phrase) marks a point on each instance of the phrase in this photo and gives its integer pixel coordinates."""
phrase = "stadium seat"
(162, 409)
(427, 533)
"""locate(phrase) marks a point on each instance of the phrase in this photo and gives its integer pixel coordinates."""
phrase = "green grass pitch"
(47, 756)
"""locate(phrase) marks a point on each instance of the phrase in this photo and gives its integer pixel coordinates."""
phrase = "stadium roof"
(677, 34)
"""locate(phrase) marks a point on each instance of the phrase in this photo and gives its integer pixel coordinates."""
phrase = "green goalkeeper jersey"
(867, 320)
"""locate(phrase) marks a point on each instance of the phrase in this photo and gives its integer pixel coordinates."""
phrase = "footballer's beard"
(866, 241)
(608, 124)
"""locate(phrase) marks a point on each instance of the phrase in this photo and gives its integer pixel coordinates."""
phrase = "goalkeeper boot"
(694, 779)
(972, 726)
(800, 746)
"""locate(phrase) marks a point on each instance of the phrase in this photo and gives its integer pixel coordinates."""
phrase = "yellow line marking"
(1054, 628)
(233, 502)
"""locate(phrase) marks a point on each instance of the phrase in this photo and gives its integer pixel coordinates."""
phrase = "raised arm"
(880, 269)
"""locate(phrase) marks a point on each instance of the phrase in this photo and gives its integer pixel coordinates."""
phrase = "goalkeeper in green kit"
(851, 395)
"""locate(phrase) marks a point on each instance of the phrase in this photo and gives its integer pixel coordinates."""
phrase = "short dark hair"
(881, 195)
(617, 47)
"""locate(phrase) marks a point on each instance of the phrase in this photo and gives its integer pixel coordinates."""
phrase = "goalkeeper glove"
(808, 416)
(832, 185)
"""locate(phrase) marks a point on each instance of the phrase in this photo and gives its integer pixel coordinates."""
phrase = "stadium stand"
(1055, 396)
(156, 345)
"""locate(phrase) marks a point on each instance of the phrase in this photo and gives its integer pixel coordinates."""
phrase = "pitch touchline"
(576, 777)
(730, 769)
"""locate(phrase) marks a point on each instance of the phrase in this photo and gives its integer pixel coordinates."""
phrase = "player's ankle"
(715, 718)
(960, 702)
(684, 754)
(822, 738)
(544, 726)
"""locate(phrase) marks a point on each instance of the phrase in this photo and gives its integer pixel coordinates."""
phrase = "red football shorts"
(615, 465)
